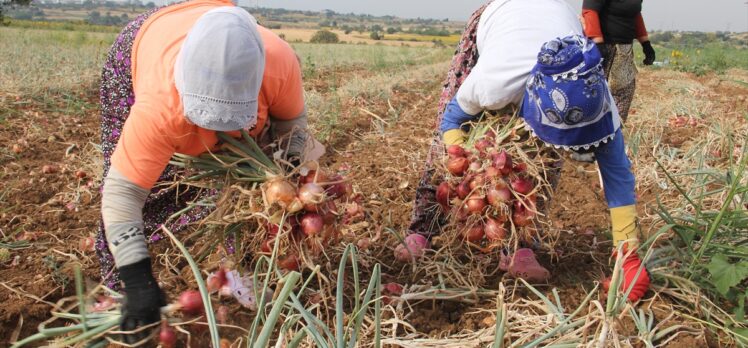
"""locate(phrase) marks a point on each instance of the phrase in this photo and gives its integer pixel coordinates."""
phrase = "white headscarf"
(219, 69)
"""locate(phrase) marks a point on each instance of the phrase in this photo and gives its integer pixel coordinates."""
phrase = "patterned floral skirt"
(620, 70)
(117, 98)
(427, 217)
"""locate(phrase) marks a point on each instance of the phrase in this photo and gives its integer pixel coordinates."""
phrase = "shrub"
(324, 36)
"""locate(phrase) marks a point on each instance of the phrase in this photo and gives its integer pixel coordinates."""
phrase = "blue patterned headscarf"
(567, 102)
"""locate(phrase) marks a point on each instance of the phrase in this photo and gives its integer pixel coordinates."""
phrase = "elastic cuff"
(454, 137)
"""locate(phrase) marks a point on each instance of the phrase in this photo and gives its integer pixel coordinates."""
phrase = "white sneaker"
(583, 157)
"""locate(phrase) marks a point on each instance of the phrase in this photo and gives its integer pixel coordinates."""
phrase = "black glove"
(649, 53)
(143, 300)
(603, 48)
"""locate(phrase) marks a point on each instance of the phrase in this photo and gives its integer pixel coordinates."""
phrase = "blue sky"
(704, 15)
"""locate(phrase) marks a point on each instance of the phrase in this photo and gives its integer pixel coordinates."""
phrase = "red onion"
(521, 185)
(167, 337)
(289, 262)
(280, 191)
(482, 145)
(191, 303)
(492, 172)
(86, 244)
(458, 165)
(311, 224)
(216, 280)
(393, 289)
(475, 166)
(272, 229)
(313, 176)
(416, 244)
(521, 216)
(339, 188)
(443, 193)
(267, 246)
(463, 189)
(494, 230)
(520, 167)
(477, 182)
(474, 234)
(456, 151)
(311, 194)
(498, 197)
(503, 162)
(475, 204)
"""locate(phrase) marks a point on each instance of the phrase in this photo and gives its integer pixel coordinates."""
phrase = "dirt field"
(44, 216)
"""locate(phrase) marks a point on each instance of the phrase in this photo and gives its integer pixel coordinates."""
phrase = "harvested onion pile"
(492, 186)
(311, 212)
(272, 198)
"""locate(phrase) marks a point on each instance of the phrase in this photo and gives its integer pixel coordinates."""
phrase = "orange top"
(156, 127)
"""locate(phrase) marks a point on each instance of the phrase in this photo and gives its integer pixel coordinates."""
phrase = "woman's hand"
(143, 301)
(649, 53)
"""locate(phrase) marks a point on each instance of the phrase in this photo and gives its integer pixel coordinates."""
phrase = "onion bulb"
(477, 182)
(492, 172)
(443, 193)
(456, 151)
(314, 176)
(503, 162)
(521, 216)
(494, 230)
(482, 145)
(463, 189)
(340, 188)
(498, 196)
(393, 289)
(191, 303)
(458, 165)
(289, 262)
(414, 247)
(475, 204)
(311, 194)
(311, 224)
(474, 234)
(280, 191)
(521, 185)
(216, 280)
(167, 337)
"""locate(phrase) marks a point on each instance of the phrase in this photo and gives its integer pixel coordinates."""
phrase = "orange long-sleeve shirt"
(156, 127)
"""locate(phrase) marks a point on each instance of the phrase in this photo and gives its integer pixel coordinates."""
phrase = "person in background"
(563, 98)
(173, 78)
(613, 25)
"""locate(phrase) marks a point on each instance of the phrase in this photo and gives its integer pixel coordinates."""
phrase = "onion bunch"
(486, 191)
(311, 205)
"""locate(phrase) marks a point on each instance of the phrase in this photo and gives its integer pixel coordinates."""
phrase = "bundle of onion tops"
(299, 207)
(493, 186)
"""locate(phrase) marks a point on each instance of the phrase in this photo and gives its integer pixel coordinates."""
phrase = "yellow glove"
(454, 137)
(625, 227)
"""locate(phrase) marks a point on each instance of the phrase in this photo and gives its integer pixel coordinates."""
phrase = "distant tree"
(4, 4)
(377, 27)
(324, 36)
(150, 4)
(375, 35)
(391, 30)
(94, 17)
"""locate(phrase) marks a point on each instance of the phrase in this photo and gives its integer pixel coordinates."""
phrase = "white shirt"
(510, 34)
